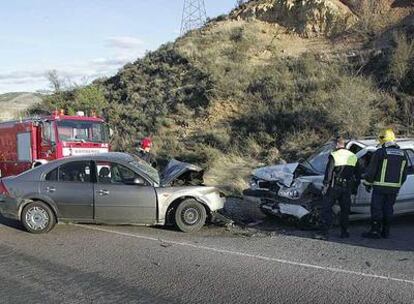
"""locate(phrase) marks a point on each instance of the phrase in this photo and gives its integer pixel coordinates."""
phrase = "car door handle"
(50, 189)
(103, 192)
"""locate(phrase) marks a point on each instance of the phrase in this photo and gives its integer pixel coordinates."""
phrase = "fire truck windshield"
(82, 131)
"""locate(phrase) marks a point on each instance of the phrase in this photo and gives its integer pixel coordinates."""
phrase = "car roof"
(404, 143)
(109, 156)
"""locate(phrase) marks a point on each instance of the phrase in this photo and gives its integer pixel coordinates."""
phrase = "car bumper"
(259, 193)
(283, 209)
(214, 200)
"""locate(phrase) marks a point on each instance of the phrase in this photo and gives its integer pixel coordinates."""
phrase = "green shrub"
(308, 100)
(402, 63)
(374, 16)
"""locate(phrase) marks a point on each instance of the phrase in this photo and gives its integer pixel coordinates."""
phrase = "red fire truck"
(29, 142)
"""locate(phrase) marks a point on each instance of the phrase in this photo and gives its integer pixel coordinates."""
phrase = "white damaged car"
(294, 190)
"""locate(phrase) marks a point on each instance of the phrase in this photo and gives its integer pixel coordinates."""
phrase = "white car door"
(362, 204)
(405, 200)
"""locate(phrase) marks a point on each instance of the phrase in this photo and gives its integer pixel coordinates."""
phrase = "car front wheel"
(37, 218)
(190, 216)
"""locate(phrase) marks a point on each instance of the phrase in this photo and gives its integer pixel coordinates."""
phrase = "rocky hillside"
(307, 18)
(268, 83)
(12, 105)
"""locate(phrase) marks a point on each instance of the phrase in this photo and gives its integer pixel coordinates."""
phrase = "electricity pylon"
(240, 2)
(194, 15)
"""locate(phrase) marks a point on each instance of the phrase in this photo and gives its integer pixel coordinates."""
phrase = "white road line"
(253, 256)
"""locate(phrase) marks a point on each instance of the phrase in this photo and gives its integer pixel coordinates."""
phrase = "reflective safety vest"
(392, 168)
(342, 169)
(343, 158)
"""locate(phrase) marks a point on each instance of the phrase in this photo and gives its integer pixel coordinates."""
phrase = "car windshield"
(319, 160)
(145, 168)
(82, 131)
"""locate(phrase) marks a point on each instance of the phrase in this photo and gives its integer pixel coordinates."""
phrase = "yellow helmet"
(386, 136)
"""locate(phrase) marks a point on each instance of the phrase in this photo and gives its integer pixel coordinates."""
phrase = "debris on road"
(165, 245)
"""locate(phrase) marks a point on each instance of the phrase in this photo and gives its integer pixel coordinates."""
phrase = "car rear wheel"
(37, 218)
(190, 216)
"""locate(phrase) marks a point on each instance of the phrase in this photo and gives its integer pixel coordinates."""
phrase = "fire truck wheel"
(37, 218)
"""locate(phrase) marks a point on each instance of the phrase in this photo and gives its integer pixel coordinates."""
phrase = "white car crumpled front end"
(295, 200)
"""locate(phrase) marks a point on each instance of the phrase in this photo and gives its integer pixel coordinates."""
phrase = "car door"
(362, 203)
(405, 200)
(118, 199)
(70, 187)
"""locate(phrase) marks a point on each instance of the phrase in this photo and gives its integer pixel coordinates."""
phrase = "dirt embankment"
(307, 18)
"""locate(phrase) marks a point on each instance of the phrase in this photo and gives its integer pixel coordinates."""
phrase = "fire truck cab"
(30, 142)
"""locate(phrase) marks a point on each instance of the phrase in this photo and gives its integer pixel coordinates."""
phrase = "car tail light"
(3, 189)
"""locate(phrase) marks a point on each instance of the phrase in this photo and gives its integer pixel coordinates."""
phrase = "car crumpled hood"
(175, 169)
(283, 174)
(301, 187)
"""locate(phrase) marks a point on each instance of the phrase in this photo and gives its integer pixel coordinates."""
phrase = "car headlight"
(290, 193)
(294, 194)
(253, 183)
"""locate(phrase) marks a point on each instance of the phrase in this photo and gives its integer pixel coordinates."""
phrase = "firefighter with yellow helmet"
(386, 174)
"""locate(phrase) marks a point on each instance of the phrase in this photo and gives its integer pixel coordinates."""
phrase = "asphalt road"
(110, 264)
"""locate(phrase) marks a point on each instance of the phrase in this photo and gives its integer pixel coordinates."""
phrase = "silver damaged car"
(113, 188)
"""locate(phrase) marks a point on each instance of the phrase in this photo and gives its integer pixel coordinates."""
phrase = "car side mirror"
(139, 181)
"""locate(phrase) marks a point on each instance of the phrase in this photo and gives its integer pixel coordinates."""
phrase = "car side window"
(354, 148)
(76, 172)
(114, 173)
(364, 162)
(410, 157)
(52, 176)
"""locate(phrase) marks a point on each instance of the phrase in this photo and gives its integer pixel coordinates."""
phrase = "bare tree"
(56, 83)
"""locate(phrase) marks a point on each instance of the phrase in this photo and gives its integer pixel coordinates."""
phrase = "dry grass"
(230, 172)
(376, 15)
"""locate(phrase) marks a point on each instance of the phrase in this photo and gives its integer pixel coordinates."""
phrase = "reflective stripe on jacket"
(388, 168)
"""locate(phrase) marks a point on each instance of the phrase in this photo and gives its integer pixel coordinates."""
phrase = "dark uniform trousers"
(382, 205)
(387, 172)
(339, 194)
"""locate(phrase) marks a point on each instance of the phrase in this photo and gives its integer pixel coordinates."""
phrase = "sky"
(83, 39)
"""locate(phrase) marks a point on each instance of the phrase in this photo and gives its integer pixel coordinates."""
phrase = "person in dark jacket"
(144, 152)
(342, 179)
(386, 174)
